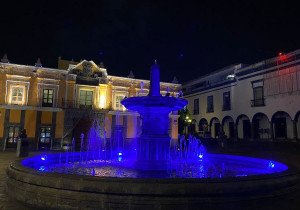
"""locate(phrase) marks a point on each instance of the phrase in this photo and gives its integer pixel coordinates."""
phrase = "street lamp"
(187, 122)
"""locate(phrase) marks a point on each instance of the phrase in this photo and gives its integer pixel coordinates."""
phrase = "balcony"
(74, 104)
(226, 107)
(258, 102)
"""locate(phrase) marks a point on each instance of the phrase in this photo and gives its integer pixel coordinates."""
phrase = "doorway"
(246, 129)
(280, 128)
(13, 136)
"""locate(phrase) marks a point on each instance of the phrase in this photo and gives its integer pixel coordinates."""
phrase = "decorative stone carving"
(5, 59)
(87, 70)
(38, 63)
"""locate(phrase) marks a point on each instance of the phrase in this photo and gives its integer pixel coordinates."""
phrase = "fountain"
(155, 174)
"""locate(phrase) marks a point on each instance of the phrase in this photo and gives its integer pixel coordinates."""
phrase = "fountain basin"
(155, 103)
(73, 191)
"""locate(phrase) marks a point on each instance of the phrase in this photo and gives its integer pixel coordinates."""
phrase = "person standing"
(23, 144)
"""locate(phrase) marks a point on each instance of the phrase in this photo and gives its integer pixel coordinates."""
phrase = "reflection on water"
(207, 166)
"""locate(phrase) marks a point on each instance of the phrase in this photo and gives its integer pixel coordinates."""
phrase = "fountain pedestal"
(154, 143)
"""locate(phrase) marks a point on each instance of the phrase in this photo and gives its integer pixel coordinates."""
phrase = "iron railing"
(258, 102)
(226, 107)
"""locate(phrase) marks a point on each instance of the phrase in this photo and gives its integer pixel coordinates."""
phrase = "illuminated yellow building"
(57, 105)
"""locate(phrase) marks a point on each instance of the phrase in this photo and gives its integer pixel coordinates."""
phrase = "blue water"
(205, 166)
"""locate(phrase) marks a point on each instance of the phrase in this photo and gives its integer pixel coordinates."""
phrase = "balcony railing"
(258, 102)
(226, 107)
(75, 105)
(64, 104)
(209, 109)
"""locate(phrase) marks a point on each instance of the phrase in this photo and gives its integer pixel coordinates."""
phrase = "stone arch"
(243, 126)
(282, 126)
(228, 126)
(261, 126)
(215, 127)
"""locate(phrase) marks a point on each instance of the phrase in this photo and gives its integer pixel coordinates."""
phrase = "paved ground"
(285, 152)
(5, 202)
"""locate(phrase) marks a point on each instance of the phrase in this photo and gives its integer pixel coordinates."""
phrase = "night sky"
(189, 39)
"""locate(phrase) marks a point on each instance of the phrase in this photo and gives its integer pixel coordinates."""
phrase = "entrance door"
(217, 129)
(246, 129)
(280, 127)
(13, 136)
(231, 129)
(83, 126)
(45, 138)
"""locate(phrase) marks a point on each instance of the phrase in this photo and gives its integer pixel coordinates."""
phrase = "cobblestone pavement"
(287, 153)
(5, 202)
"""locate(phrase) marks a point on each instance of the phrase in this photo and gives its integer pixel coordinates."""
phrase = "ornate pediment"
(87, 72)
(88, 69)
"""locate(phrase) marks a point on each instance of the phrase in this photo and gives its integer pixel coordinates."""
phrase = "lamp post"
(187, 121)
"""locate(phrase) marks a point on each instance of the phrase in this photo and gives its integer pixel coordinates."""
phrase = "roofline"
(34, 67)
(214, 72)
(142, 80)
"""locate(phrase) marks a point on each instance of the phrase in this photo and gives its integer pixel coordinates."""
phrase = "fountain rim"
(291, 170)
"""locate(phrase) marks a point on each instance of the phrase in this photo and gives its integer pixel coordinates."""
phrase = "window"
(13, 136)
(210, 104)
(226, 101)
(85, 98)
(118, 105)
(258, 94)
(45, 137)
(196, 106)
(17, 95)
(48, 97)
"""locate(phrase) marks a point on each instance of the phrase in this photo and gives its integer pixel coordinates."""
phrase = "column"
(252, 131)
(5, 127)
(295, 132)
(235, 134)
(271, 131)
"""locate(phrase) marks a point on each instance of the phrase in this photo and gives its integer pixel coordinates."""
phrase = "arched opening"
(282, 126)
(297, 127)
(228, 126)
(215, 127)
(243, 127)
(203, 127)
(261, 126)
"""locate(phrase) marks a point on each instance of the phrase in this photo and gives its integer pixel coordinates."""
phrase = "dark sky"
(187, 38)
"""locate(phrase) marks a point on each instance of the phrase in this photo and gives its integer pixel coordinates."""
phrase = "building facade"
(58, 105)
(255, 102)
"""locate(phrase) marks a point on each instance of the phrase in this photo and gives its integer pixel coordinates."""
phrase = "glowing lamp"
(44, 157)
(271, 164)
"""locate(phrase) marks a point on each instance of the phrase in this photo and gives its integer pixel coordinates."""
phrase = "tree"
(184, 120)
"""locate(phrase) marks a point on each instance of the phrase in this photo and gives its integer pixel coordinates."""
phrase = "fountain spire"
(154, 80)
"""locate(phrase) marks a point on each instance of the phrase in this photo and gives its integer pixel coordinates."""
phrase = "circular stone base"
(66, 191)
